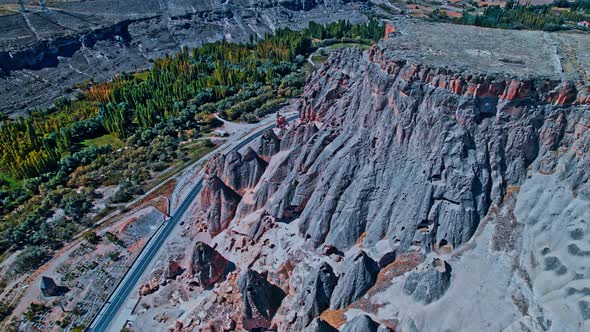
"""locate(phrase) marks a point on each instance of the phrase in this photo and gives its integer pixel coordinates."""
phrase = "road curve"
(108, 312)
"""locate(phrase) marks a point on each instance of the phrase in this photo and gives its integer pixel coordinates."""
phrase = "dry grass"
(6, 11)
(512, 189)
(453, 14)
(491, 3)
(165, 190)
(361, 238)
(336, 318)
(406, 262)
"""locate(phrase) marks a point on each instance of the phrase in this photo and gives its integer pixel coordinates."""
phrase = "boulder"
(316, 293)
(207, 265)
(268, 145)
(260, 300)
(173, 270)
(150, 287)
(429, 284)
(362, 323)
(360, 274)
(218, 204)
(48, 286)
(319, 325)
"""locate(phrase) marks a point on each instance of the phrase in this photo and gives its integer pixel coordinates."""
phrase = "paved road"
(109, 311)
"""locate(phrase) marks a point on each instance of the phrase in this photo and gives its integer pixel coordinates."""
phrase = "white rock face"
(477, 214)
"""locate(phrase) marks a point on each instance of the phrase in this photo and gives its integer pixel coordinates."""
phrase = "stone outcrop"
(218, 203)
(362, 323)
(150, 287)
(494, 93)
(207, 265)
(173, 269)
(360, 274)
(316, 293)
(430, 284)
(448, 163)
(237, 171)
(416, 162)
(318, 325)
(268, 145)
(260, 300)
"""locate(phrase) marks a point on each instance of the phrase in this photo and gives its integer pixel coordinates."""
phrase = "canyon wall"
(414, 197)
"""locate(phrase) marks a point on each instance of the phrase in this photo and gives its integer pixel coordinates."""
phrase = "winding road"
(110, 309)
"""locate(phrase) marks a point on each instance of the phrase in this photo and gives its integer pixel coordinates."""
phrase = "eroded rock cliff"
(470, 188)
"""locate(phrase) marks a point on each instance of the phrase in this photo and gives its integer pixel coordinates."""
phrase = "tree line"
(207, 74)
(533, 17)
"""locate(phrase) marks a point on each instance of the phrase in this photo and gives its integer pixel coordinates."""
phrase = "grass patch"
(142, 75)
(9, 181)
(7, 11)
(108, 139)
(344, 45)
(319, 59)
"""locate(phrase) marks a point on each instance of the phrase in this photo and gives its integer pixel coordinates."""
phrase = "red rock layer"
(546, 91)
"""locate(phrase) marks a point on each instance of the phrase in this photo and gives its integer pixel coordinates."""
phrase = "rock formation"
(149, 287)
(218, 204)
(360, 274)
(48, 286)
(207, 265)
(237, 171)
(462, 167)
(260, 300)
(268, 145)
(318, 325)
(173, 270)
(429, 285)
(316, 293)
(362, 323)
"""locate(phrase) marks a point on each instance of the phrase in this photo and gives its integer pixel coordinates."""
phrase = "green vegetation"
(128, 131)
(114, 256)
(5, 310)
(91, 237)
(114, 239)
(344, 45)
(372, 31)
(532, 17)
(108, 139)
(79, 328)
(35, 311)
